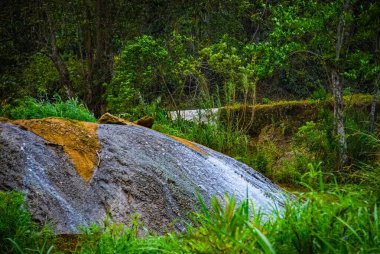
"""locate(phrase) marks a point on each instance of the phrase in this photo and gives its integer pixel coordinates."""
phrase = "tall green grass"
(336, 221)
(215, 136)
(227, 227)
(18, 233)
(30, 108)
(331, 219)
(118, 238)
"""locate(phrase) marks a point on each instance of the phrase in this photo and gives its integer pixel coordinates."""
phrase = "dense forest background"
(125, 56)
(116, 55)
(298, 83)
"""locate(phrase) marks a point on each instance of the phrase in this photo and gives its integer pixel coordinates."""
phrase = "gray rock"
(139, 171)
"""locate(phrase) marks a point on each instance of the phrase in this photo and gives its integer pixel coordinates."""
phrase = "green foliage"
(227, 228)
(137, 74)
(261, 161)
(336, 219)
(363, 145)
(117, 238)
(215, 136)
(237, 65)
(341, 220)
(264, 157)
(312, 137)
(313, 143)
(15, 221)
(30, 108)
(313, 176)
(147, 69)
(319, 95)
(18, 234)
(265, 100)
(368, 176)
(40, 75)
(185, 52)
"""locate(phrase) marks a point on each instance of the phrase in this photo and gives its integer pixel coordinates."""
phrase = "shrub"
(137, 75)
(319, 95)
(313, 141)
(41, 76)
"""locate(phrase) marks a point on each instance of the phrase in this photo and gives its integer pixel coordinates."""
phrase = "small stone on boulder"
(146, 121)
(107, 118)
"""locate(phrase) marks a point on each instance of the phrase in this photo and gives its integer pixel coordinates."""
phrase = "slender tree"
(324, 32)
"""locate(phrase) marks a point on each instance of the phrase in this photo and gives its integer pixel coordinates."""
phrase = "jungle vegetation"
(298, 80)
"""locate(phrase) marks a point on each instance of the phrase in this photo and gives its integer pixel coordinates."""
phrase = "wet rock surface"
(138, 171)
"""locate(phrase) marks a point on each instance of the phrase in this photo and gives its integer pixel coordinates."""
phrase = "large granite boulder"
(75, 173)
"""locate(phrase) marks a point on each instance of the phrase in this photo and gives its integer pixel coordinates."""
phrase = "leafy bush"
(138, 75)
(261, 162)
(147, 69)
(264, 157)
(30, 108)
(313, 138)
(319, 95)
(313, 142)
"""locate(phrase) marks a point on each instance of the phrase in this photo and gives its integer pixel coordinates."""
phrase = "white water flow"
(35, 175)
(240, 186)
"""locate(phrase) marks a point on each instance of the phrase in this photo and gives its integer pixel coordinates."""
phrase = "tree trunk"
(372, 114)
(64, 76)
(337, 89)
(375, 98)
(100, 57)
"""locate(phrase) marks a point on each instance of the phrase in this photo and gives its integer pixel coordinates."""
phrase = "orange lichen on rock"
(188, 144)
(78, 139)
(4, 120)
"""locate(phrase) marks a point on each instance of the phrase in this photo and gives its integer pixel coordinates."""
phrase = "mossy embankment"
(290, 139)
(290, 115)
